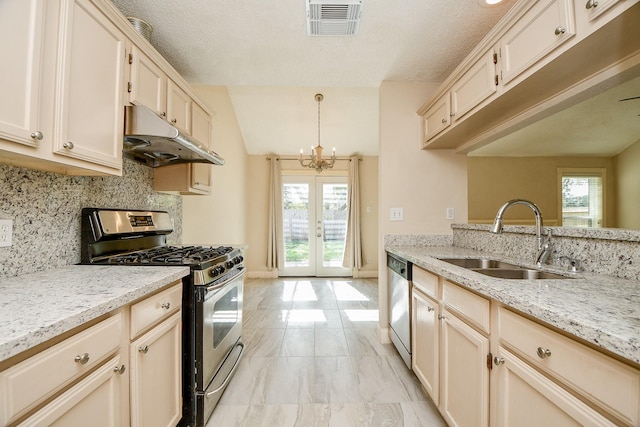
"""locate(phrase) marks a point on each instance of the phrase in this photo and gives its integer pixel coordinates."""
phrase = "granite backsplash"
(45, 209)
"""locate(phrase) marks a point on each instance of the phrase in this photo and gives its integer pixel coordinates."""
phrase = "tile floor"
(313, 358)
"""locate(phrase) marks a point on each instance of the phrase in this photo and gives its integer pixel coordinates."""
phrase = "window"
(582, 197)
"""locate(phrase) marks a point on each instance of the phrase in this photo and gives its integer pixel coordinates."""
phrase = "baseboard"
(262, 274)
(369, 274)
(383, 335)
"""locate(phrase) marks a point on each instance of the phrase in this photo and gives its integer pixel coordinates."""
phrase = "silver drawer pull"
(37, 135)
(591, 4)
(543, 352)
(143, 349)
(82, 358)
(119, 369)
(559, 30)
(441, 317)
(444, 120)
(430, 309)
(68, 145)
(174, 121)
(498, 360)
(166, 305)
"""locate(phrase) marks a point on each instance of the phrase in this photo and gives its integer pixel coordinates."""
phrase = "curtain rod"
(306, 158)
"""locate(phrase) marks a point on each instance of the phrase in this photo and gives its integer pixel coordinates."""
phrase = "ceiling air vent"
(333, 17)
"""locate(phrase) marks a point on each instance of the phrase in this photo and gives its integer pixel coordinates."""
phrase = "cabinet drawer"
(425, 281)
(157, 307)
(469, 305)
(31, 381)
(611, 384)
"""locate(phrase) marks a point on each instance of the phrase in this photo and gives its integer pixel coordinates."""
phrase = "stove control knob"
(229, 264)
(219, 269)
(237, 260)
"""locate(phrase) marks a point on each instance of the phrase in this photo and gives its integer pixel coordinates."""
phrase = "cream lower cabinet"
(450, 353)
(525, 396)
(156, 364)
(95, 401)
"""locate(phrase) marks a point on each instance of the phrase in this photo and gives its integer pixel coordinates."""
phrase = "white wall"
(224, 211)
(423, 183)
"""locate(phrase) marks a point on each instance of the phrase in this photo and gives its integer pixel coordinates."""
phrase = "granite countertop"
(39, 306)
(601, 310)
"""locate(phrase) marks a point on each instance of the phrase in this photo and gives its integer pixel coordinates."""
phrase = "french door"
(314, 225)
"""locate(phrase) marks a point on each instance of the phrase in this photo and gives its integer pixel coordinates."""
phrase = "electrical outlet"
(451, 213)
(369, 260)
(396, 214)
(6, 232)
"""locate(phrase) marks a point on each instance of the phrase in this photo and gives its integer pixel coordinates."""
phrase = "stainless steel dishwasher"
(399, 294)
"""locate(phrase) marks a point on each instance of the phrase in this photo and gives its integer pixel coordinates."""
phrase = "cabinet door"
(425, 333)
(437, 118)
(96, 400)
(156, 376)
(201, 131)
(476, 85)
(526, 397)
(89, 113)
(148, 83)
(545, 27)
(464, 396)
(178, 107)
(21, 24)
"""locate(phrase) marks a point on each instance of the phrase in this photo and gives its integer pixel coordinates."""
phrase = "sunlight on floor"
(305, 316)
(345, 292)
(298, 290)
(362, 315)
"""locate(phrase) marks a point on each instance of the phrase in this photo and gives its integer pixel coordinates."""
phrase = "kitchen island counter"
(600, 310)
(39, 306)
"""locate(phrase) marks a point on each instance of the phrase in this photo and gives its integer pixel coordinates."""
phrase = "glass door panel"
(314, 225)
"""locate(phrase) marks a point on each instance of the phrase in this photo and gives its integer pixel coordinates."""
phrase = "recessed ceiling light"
(488, 3)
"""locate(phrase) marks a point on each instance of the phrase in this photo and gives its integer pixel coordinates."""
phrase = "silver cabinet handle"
(591, 4)
(119, 369)
(37, 135)
(143, 349)
(82, 358)
(543, 352)
(441, 316)
(444, 120)
(430, 309)
(166, 305)
(498, 360)
(164, 114)
(174, 121)
(68, 145)
(560, 30)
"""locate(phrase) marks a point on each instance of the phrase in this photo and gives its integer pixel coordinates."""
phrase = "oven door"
(218, 325)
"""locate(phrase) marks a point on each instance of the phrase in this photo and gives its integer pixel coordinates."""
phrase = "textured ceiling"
(261, 52)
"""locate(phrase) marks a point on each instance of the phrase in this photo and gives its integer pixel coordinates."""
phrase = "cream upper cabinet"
(21, 23)
(545, 27)
(437, 118)
(89, 97)
(475, 85)
(148, 85)
(189, 178)
(178, 107)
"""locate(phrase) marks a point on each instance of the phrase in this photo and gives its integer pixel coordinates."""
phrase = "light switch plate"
(6, 232)
(396, 214)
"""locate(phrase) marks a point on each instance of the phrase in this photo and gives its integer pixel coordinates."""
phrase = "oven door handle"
(231, 279)
(231, 372)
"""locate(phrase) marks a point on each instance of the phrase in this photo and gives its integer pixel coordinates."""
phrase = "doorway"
(314, 225)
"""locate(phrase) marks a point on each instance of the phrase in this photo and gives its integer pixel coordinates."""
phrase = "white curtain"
(275, 250)
(353, 250)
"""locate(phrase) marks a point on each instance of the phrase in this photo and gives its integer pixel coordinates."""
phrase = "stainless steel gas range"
(212, 296)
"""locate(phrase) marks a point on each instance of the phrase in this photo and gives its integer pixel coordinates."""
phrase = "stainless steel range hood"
(150, 139)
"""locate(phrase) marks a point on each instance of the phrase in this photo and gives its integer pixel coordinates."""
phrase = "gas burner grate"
(174, 255)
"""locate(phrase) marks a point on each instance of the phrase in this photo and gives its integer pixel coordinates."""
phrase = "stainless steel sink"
(478, 263)
(501, 269)
(518, 273)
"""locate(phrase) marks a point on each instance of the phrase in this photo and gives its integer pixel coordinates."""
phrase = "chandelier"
(316, 161)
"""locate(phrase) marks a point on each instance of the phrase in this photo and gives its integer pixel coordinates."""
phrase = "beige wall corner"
(223, 212)
(423, 183)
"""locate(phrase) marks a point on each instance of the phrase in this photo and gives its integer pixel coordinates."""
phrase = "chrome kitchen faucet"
(544, 247)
